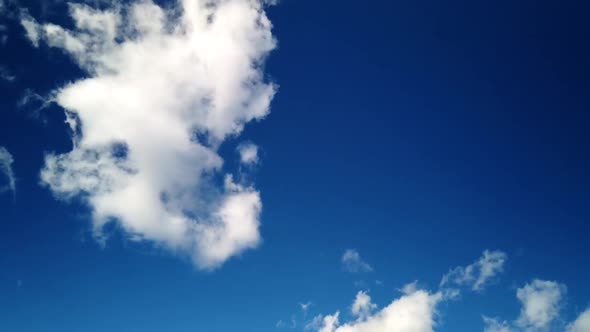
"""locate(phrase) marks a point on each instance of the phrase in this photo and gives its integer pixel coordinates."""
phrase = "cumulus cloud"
(412, 312)
(540, 301)
(6, 161)
(581, 324)
(248, 153)
(352, 262)
(164, 90)
(478, 274)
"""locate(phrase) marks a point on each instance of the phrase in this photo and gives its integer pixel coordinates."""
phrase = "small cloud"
(305, 307)
(494, 325)
(476, 275)
(352, 262)
(6, 75)
(6, 161)
(248, 153)
(32, 28)
(541, 301)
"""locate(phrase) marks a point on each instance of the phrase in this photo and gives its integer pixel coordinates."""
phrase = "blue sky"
(308, 166)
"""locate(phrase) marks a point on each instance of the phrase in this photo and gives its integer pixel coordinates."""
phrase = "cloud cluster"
(6, 161)
(478, 274)
(352, 262)
(164, 89)
(416, 309)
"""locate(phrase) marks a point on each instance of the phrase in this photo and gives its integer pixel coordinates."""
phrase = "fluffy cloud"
(412, 312)
(248, 153)
(164, 90)
(581, 324)
(6, 161)
(476, 275)
(352, 262)
(540, 304)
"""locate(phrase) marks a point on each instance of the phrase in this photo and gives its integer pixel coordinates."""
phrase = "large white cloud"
(164, 89)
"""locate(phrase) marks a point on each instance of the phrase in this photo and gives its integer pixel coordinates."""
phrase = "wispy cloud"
(5, 74)
(352, 262)
(164, 91)
(6, 161)
(478, 274)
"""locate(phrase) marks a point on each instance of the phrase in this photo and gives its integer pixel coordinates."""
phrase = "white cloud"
(581, 324)
(31, 28)
(163, 92)
(352, 262)
(248, 153)
(412, 312)
(494, 325)
(476, 275)
(6, 161)
(540, 304)
(362, 306)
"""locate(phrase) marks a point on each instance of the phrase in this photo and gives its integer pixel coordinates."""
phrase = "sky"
(294, 165)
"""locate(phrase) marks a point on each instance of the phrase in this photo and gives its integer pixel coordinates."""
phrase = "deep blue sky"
(418, 132)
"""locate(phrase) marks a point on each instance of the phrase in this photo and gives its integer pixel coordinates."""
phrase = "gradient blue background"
(418, 132)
